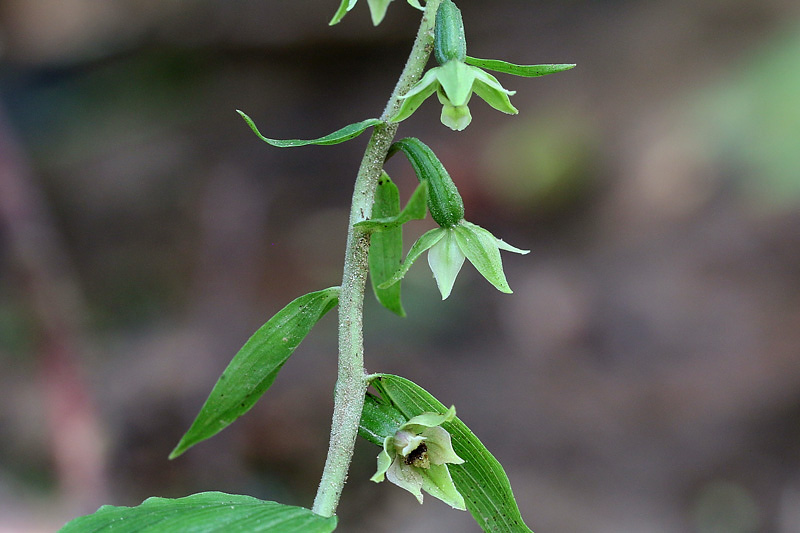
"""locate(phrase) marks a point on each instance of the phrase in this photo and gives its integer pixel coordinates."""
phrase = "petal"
(482, 250)
(437, 482)
(440, 446)
(406, 442)
(377, 9)
(406, 477)
(487, 87)
(446, 259)
(427, 240)
(456, 79)
(384, 462)
(421, 422)
(417, 94)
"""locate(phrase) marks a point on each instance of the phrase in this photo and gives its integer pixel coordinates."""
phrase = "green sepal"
(339, 136)
(424, 243)
(344, 7)
(386, 247)
(206, 512)
(444, 201)
(487, 87)
(526, 71)
(481, 248)
(253, 369)
(417, 94)
(415, 209)
(481, 479)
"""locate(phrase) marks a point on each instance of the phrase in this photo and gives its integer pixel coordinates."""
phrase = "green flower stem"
(351, 384)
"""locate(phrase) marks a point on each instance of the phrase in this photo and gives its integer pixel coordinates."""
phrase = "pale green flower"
(416, 458)
(454, 82)
(377, 9)
(449, 246)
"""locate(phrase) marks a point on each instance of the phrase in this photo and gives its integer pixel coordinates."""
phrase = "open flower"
(449, 246)
(377, 9)
(454, 82)
(416, 457)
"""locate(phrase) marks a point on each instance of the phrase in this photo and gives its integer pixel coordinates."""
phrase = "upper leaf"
(253, 369)
(338, 136)
(480, 479)
(527, 71)
(414, 210)
(206, 512)
(386, 247)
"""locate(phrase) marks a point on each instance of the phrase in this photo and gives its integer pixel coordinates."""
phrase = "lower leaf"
(206, 512)
(253, 369)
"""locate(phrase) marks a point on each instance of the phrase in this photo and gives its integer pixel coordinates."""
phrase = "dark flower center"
(419, 457)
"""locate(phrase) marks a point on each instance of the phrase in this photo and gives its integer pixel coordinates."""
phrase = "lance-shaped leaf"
(338, 136)
(253, 369)
(481, 479)
(386, 247)
(206, 512)
(527, 71)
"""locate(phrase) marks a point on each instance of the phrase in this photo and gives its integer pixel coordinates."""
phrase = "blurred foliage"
(753, 120)
(542, 163)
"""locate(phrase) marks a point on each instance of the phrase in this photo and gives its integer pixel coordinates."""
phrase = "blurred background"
(645, 375)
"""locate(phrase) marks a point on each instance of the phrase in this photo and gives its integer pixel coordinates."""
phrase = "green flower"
(449, 246)
(377, 9)
(416, 457)
(454, 82)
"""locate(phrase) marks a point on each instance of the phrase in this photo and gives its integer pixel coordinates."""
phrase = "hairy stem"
(351, 383)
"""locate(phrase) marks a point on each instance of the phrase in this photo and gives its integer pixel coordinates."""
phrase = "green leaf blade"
(206, 512)
(253, 369)
(339, 136)
(415, 209)
(526, 71)
(481, 480)
(386, 247)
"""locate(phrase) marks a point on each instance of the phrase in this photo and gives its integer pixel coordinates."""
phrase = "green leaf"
(254, 368)
(527, 71)
(206, 512)
(386, 247)
(338, 136)
(414, 210)
(480, 479)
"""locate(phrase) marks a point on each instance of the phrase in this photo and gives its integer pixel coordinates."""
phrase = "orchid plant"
(422, 445)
